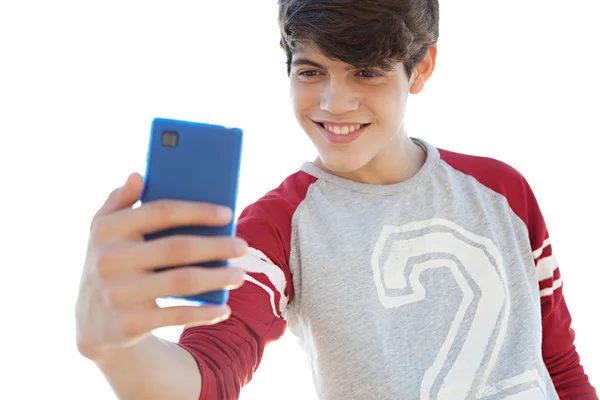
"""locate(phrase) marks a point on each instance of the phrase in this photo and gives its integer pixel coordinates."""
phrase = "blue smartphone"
(199, 162)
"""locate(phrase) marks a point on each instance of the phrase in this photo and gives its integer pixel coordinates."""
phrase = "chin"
(344, 164)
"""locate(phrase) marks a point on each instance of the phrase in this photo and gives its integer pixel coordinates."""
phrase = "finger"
(176, 251)
(177, 282)
(129, 259)
(135, 324)
(124, 196)
(161, 215)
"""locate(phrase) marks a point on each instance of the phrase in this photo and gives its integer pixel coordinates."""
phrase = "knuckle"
(185, 280)
(115, 297)
(183, 315)
(98, 227)
(105, 263)
(114, 194)
(179, 247)
(162, 209)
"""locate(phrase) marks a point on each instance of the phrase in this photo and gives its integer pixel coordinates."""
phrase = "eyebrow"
(306, 61)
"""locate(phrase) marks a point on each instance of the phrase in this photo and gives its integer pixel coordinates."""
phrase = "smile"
(341, 129)
(341, 133)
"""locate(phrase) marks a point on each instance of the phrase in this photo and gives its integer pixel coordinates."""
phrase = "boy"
(406, 271)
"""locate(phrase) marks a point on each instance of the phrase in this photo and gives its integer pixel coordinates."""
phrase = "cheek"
(388, 106)
(304, 97)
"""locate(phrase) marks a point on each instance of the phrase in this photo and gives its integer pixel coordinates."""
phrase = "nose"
(339, 97)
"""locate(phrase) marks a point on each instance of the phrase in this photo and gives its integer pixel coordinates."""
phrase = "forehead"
(308, 50)
(309, 53)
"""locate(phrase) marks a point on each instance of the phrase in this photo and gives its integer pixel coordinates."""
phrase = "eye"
(308, 73)
(368, 73)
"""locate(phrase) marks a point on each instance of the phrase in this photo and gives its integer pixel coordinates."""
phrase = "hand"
(116, 306)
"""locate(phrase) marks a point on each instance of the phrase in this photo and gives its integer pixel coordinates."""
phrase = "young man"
(406, 271)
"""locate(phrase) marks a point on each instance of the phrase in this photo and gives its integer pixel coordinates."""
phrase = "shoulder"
(504, 180)
(490, 172)
(280, 203)
(267, 223)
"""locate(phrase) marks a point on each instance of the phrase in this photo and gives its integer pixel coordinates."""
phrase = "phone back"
(199, 162)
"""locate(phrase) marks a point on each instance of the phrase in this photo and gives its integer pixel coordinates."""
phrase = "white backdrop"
(81, 81)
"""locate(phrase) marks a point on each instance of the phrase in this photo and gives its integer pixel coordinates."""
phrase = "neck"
(398, 162)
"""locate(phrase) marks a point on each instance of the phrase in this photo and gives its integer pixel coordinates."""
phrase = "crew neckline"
(431, 161)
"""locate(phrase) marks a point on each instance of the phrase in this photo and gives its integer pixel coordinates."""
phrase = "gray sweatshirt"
(443, 286)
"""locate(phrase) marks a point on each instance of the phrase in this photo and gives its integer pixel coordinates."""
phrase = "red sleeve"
(229, 353)
(558, 348)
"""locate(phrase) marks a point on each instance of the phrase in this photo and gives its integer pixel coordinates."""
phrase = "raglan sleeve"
(558, 348)
(229, 352)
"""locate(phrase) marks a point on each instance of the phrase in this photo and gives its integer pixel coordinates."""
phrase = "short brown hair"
(362, 33)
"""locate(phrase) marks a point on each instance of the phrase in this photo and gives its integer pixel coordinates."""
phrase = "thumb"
(124, 196)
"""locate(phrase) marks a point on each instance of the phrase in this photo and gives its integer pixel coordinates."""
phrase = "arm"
(115, 312)
(227, 354)
(558, 348)
(152, 369)
(215, 361)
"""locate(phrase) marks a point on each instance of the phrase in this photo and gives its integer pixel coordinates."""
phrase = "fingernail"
(223, 317)
(240, 245)
(237, 278)
(126, 180)
(195, 324)
(224, 212)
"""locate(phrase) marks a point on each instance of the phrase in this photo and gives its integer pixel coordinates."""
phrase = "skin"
(116, 305)
(327, 90)
(116, 311)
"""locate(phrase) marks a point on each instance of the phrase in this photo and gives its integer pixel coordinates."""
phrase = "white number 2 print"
(477, 256)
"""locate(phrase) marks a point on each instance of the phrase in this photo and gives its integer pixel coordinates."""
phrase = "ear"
(423, 70)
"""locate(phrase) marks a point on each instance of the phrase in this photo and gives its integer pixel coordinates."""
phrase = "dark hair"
(362, 33)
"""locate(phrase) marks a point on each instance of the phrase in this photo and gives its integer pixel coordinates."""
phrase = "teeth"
(344, 130)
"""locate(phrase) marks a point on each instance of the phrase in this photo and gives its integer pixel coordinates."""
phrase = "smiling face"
(354, 116)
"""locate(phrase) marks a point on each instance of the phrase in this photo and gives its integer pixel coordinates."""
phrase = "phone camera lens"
(170, 139)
